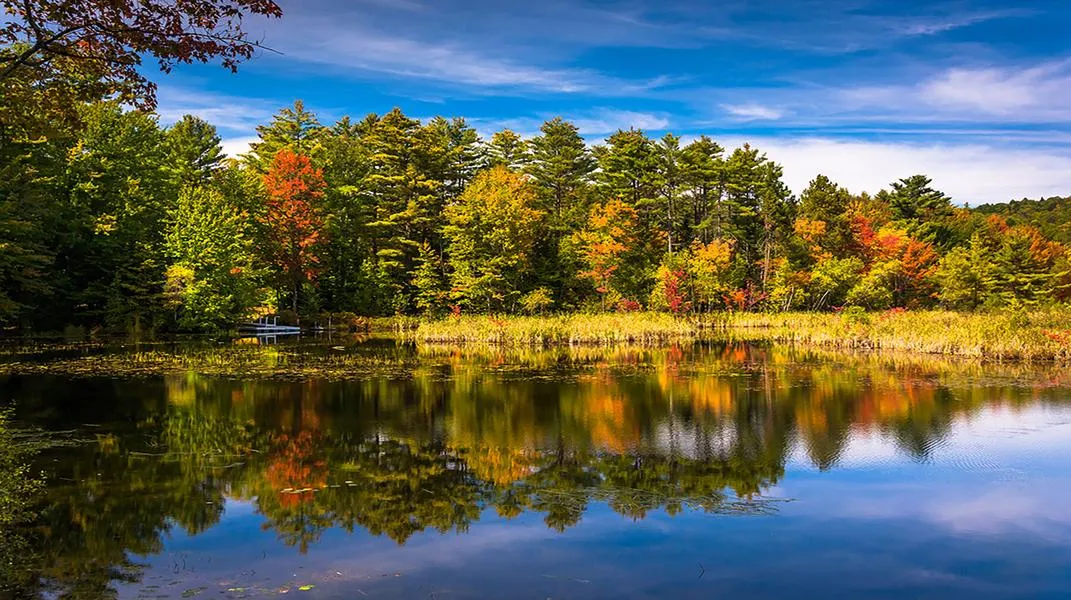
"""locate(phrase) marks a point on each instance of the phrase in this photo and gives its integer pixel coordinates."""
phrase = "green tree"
(491, 233)
(828, 203)
(429, 282)
(194, 153)
(832, 280)
(966, 275)
(561, 166)
(507, 149)
(1023, 267)
(405, 195)
(671, 183)
(292, 128)
(629, 169)
(214, 280)
(703, 169)
(120, 193)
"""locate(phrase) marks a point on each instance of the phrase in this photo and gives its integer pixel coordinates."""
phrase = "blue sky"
(974, 93)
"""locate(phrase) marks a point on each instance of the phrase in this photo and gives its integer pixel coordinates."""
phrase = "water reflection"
(463, 433)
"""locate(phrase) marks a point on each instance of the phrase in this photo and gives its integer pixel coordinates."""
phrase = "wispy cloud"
(457, 66)
(230, 114)
(974, 173)
(923, 26)
(1041, 90)
(752, 111)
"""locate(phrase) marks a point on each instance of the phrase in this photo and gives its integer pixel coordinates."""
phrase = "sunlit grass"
(1041, 335)
(606, 328)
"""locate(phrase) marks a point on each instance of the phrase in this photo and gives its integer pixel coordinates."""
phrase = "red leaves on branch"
(673, 287)
(106, 39)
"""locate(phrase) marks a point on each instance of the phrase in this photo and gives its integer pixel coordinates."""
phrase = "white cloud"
(359, 50)
(608, 121)
(934, 25)
(236, 146)
(974, 173)
(752, 111)
(1034, 93)
(231, 115)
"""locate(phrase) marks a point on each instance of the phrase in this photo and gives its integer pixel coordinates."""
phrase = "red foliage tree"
(673, 283)
(293, 217)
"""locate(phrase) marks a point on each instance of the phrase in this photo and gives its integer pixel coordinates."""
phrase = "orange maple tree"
(293, 216)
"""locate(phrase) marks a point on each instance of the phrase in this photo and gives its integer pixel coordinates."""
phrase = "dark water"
(721, 470)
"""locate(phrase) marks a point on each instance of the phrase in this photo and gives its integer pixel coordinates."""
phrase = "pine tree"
(670, 183)
(703, 171)
(826, 202)
(405, 197)
(507, 149)
(292, 128)
(194, 151)
(561, 165)
(429, 282)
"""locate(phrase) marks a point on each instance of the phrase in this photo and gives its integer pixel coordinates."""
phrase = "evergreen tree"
(347, 253)
(967, 276)
(111, 250)
(628, 169)
(193, 151)
(293, 128)
(703, 172)
(670, 184)
(429, 282)
(826, 202)
(406, 200)
(561, 166)
(507, 149)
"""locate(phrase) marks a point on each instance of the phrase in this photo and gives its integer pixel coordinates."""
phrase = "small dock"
(268, 326)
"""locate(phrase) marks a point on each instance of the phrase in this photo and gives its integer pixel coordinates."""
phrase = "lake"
(381, 469)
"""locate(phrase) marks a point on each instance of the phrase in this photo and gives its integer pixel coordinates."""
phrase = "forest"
(111, 218)
(121, 222)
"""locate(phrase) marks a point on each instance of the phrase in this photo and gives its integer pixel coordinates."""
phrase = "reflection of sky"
(985, 517)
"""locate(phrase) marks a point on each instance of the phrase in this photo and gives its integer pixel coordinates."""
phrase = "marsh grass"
(1041, 335)
(572, 329)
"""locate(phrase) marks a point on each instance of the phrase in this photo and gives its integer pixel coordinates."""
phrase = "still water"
(375, 469)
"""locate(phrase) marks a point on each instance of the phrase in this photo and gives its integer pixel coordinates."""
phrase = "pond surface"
(378, 469)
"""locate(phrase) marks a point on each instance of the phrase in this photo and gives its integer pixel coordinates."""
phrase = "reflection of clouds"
(988, 477)
(1039, 512)
(430, 549)
(1029, 436)
(977, 506)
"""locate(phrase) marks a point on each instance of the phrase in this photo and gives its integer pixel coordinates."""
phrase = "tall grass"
(1036, 335)
(605, 328)
(1040, 335)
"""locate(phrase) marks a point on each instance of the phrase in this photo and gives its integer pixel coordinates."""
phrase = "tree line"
(112, 219)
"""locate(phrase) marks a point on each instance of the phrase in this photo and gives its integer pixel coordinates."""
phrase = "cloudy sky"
(974, 93)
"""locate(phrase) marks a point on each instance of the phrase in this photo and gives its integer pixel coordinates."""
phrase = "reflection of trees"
(705, 427)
